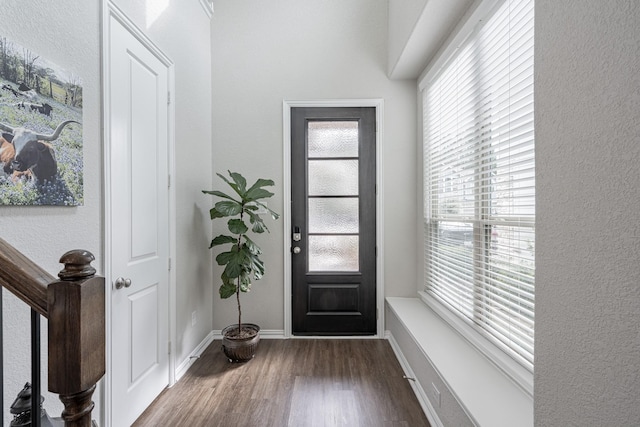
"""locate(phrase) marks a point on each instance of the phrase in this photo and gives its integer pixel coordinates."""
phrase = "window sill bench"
(475, 391)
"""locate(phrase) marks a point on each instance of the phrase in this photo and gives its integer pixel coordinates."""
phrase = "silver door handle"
(296, 250)
(122, 283)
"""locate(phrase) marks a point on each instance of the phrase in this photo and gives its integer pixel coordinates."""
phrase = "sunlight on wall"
(154, 10)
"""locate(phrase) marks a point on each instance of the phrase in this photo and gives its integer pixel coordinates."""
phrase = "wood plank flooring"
(294, 383)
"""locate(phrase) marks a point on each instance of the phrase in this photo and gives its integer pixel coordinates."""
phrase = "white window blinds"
(479, 181)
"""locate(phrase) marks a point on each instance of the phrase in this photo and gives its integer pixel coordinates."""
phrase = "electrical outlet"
(261, 210)
(435, 395)
(194, 318)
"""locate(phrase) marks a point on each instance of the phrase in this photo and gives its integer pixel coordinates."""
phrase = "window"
(479, 183)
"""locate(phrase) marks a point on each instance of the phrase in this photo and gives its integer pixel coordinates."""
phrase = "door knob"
(296, 250)
(122, 283)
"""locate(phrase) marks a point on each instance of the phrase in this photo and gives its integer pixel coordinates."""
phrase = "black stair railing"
(32, 412)
(35, 369)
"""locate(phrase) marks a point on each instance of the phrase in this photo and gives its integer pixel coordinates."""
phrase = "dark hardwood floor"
(297, 383)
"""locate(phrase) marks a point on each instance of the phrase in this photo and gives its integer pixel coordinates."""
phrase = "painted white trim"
(424, 401)
(207, 5)
(193, 356)
(378, 104)
(173, 222)
(106, 100)
(267, 334)
(109, 10)
(279, 334)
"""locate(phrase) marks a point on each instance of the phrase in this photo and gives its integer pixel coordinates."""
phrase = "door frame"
(378, 104)
(110, 10)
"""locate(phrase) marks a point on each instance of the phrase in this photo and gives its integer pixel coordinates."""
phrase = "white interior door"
(138, 83)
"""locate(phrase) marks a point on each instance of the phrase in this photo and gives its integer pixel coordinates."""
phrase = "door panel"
(333, 219)
(139, 211)
(143, 305)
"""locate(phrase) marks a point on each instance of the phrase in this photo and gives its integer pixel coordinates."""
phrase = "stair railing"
(74, 305)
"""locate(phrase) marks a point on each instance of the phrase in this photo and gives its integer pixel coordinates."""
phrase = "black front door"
(333, 236)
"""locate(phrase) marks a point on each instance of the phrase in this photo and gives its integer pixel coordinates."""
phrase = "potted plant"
(241, 259)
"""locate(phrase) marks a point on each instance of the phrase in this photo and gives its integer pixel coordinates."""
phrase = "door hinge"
(169, 263)
(169, 347)
(168, 98)
(168, 181)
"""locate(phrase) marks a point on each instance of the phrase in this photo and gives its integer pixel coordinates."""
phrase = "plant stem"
(239, 307)
(238, 284)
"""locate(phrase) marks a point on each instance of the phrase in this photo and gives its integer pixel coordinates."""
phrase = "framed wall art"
(41, 155)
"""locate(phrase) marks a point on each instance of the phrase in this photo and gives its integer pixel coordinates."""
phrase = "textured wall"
(44, 233)
(266, 52)
(587, 85)
(72, 41)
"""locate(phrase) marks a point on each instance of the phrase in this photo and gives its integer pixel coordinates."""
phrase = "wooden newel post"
(76, 311)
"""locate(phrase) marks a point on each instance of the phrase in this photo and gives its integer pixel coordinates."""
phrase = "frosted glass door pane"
(333, 253)
(333, 177)
(333, 139)
(332, 215)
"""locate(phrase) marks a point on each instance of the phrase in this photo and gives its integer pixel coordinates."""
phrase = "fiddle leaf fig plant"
(241, 259)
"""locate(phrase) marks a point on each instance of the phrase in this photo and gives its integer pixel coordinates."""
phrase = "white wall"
(403, 17)
(417, 29)
(67, 32)
(587, 98)
(266, 52)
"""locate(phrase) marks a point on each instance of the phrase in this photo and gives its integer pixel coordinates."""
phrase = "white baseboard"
(195, 354)
(267, 334)
(428, 409)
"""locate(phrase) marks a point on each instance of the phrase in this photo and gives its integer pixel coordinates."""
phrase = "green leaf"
(257, 194)
(262, 183)
(240, 181)
(233, 269)
(257, 266)
(221, 240)
(236, 264)
(227, 289)
(232, 185)
(219, 194)
(226, 280)
(237, 226)
(214, 213)
(228, 208)
(259, 227)
(258, 224)
(245, 284)
(272, 213)
(256, 191)
(251, 246)
(224, 257)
